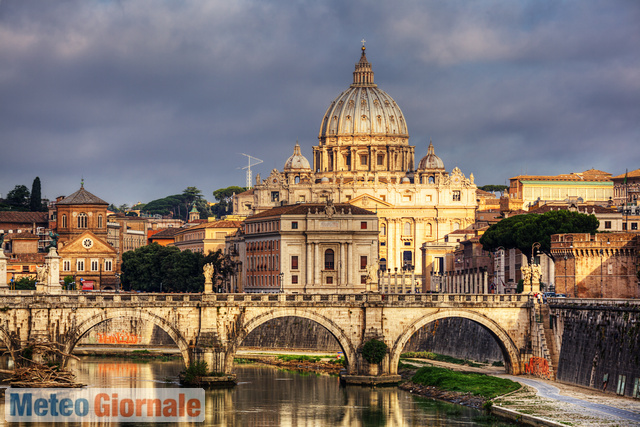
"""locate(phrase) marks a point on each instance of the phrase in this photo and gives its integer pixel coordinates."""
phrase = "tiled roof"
(483, 193)
(304, 208)
(24, 217)
(27, 258)
(582, 208)
(630, 174)
(82, 197)
(246, 193)
(14, 236)
(214, 224)
(165, 233)
(588, 175)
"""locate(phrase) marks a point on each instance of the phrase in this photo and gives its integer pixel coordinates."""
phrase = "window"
(456, 196)
(301, 199)
(607, 225)
(64, 221)
(383, 264)
(363, 225)
(80, 265)
(381, 160)
(363, 262)
(363, 160)
(275, 196)
(328, 259)
(294, 279)
(94, 265)
(296, 180)
(82, 220)
(329, 280)
(66, 265)
(428, 229)
(363, 280)
(431, 181)
(294, 225)
(624, 226)
(383, 230)
(407, 229)
(634, 225)
(99, 221)
(108, 265)
(294, 262)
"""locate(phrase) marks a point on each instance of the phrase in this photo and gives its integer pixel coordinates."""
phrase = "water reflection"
(268, 396)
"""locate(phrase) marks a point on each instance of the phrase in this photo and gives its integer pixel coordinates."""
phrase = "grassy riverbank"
(473, 383)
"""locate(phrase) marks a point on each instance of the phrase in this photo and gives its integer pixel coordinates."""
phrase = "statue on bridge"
(372, 276)
(54, 240)
(208, 271)
(42, 273)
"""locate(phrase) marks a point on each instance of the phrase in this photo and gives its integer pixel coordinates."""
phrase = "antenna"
(248, 168)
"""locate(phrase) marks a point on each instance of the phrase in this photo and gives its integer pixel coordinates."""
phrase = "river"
(269, 396)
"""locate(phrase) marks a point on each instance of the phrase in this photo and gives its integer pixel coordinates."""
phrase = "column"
(485, 286)
(309, 264)
(316, 276)
(343, 265)
(3, 271)
(391, 244)
(52, 261)
(350, 264)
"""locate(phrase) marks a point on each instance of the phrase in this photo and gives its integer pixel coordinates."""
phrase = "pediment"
(368, 201)
(98, 245)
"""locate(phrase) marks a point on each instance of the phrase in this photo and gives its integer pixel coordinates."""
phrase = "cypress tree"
(35, 203)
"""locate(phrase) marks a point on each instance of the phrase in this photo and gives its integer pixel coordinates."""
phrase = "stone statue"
(42, 273)
(1, 240)
(526, 275)
(372, 272)
(208, 272)
(536, 274)
(257, 179)
(329, 210)
(54, 240)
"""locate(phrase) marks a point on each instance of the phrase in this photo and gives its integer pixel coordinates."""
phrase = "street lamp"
(601, 253)
(534, 247)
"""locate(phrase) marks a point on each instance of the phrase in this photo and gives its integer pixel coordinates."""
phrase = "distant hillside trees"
(178, 205)
(224, 198)
(494, 188)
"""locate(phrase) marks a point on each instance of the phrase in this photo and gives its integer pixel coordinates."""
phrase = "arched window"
(431, 180)
(297, 180)
(407, 229)
(383, 264)
(64, 221)
(99, 221)
(383, 230)
(82, 220)
(328, 259)
(456, 226)
(428, 230)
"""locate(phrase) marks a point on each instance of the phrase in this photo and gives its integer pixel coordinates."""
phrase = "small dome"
(297, 160)
(406, 180)
(324, 180)
(431, 161)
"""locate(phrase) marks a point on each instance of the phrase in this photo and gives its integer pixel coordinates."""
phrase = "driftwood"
(35, 366)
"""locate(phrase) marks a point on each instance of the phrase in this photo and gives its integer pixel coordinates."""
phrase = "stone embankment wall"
(455, 337)
(600, 344)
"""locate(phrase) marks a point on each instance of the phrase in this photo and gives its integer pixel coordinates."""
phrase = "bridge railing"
(594, 302)
(99, 297)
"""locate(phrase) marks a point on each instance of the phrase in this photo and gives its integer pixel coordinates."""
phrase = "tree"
(494, 188)
(35, 203)
(25, 283)
(522, 231)
(155, 268)
(224, 196)
(19, 197)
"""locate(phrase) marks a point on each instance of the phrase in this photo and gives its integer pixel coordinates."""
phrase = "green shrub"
(194, 372)
(374, 351)
(464, 382)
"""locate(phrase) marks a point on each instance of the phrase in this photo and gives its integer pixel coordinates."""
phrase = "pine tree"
(35, 203)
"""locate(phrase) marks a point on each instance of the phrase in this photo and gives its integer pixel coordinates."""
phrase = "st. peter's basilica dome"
(363, 109)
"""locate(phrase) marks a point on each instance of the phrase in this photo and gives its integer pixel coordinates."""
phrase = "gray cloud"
(144, 98)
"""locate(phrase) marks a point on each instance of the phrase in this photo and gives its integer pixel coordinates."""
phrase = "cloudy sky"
(143, 98)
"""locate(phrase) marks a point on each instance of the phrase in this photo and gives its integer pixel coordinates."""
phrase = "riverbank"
(319, 364)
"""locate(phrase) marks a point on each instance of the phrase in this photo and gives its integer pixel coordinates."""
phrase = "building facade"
(316, 248)
(86, 255)
(593, 186)
(206, 237)
(626, 188)
(604, 265)
(364, 158)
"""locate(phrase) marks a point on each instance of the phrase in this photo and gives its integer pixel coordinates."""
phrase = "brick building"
(603, 265)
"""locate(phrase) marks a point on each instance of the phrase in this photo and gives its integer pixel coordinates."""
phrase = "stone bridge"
(211, 327)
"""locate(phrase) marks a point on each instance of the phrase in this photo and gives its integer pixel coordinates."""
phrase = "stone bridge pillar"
(3, 271)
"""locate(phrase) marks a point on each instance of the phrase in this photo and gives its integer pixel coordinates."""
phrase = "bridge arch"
(509, 350)
(85, 326)
(338, 333)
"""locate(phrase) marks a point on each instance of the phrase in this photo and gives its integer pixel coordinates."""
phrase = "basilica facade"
(364, 158)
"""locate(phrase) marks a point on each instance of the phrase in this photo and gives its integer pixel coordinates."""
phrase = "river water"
(269, 396)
